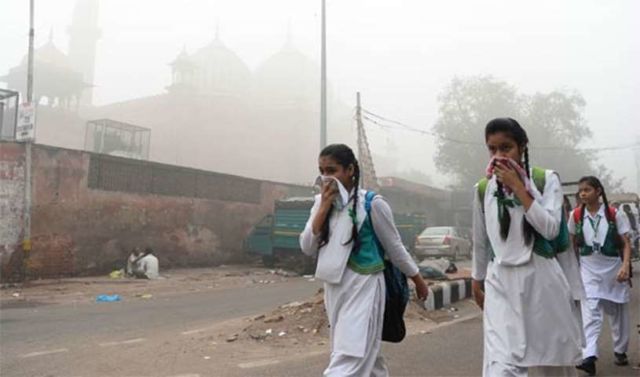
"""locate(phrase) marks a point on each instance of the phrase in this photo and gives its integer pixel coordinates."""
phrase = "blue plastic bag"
(108, 298)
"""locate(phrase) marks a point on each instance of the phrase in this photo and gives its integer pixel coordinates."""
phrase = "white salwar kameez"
(605, 295)
(531, 314)
(355, 302)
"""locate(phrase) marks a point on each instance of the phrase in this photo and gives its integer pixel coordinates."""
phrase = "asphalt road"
(154, 338)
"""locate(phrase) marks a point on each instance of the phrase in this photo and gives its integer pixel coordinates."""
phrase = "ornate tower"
(83, 39)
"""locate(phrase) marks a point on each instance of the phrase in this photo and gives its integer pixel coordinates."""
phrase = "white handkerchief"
(341, 200)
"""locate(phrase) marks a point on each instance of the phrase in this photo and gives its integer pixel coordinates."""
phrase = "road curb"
(446, 293)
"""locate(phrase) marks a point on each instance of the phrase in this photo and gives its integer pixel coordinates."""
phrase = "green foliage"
(554, 122)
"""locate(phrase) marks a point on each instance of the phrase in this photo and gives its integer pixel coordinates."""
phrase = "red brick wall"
(11, 208)
(77, 230)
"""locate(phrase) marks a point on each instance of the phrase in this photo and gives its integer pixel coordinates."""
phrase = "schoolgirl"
(523, 277)
(350, 265)
(600, 235)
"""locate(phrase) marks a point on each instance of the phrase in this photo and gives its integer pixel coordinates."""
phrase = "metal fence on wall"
(143, 177)
(115, 138)
(8, 114)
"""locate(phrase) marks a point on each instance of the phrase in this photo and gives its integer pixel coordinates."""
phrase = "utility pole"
(323, 81)
(368, 177)
(26, 241)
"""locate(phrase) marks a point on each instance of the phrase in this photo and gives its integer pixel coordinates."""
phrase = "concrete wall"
(90, 210)
(11, 206)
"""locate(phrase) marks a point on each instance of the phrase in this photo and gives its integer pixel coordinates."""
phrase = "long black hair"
(344, 156)
(597, 185)
(511, 128)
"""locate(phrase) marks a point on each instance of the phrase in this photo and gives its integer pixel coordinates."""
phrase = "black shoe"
(588, 365)
(621, 359)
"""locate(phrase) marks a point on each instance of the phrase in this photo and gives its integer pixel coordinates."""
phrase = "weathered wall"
(11, 206)
(90, 210)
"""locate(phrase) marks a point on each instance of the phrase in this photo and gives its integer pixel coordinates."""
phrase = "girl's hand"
(623, 274)
(477, 287)
(422, 290)
(329, 193)
(508, 176)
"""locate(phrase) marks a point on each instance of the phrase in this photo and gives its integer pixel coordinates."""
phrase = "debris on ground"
(108, 298)
(117, 274)
(281, 272)
(434, 268)
(299, 322)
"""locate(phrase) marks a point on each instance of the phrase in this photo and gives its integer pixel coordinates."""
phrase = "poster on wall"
(26, 127)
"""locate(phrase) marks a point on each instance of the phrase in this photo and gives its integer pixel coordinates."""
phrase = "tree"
(554, 123)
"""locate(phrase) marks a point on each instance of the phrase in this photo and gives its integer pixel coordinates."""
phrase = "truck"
(275, 237)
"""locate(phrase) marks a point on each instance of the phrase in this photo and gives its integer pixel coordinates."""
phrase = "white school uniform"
(531, 315)
(355, 302)
(605, 295)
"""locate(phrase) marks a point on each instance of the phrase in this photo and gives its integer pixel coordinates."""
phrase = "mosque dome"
(218, 70)
(288, 77)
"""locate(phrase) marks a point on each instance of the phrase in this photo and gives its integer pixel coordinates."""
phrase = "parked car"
(444, 241)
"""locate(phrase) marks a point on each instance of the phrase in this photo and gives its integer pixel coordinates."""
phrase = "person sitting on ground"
(132, 261)
(148, 266)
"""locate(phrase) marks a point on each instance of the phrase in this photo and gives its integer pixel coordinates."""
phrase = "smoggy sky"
(399, 54)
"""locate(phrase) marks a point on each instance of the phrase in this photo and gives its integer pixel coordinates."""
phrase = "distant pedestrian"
(523, 276)
(600, 234)
(342, 235)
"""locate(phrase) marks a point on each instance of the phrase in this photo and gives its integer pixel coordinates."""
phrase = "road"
(184, 335)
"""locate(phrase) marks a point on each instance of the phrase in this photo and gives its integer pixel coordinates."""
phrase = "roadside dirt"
(173, 282)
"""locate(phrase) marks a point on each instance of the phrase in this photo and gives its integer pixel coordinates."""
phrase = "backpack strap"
(368, 198)
(539, 176)
(482, 188)
(577, 215)
(611, 215)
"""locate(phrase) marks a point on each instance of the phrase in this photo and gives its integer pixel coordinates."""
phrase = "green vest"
(541, 246)
(609, 248)
(369, 258)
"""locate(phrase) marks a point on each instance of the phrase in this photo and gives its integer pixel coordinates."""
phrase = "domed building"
(288, 79)
(54, 78)
(212, 70)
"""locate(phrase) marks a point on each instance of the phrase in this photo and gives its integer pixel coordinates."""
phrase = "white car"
(444, 241)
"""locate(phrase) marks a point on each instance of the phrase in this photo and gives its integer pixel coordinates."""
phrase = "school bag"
(541, 246)
(397, 289)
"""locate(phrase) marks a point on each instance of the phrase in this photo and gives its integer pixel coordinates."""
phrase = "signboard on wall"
(26, 127)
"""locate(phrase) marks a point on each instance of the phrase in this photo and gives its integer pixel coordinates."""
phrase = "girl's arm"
(387, 233)
(568, 261)
(480, 253)
(542, 212)
(545, 212)
(385, 228)
(624, 228)
(308, 239)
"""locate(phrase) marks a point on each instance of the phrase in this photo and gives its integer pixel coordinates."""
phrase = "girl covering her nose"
(523, 277)
(351, 266)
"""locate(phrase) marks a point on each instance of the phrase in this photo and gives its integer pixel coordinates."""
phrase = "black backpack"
(397, 288)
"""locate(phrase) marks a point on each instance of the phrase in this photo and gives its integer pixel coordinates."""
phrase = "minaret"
(83, 39)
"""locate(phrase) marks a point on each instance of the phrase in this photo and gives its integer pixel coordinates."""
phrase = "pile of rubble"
(293, 323)
(303, 323)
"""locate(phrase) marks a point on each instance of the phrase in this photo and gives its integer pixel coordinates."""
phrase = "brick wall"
(90, 210)
(11, 207)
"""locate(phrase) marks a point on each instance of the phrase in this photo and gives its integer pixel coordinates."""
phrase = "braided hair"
(512, 128)
(597, 185)
(345, 157)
